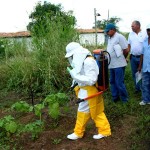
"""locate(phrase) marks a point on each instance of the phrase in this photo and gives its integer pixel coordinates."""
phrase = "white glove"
(73, 83)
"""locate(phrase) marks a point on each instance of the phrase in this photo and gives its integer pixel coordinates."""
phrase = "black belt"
(137, 56)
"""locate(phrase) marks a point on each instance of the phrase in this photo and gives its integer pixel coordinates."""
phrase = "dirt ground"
(48, 138)
(54, 135)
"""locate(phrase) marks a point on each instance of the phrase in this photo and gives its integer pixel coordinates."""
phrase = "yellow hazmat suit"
(85, 72)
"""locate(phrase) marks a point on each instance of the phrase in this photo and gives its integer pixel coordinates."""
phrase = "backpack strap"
(96, 84)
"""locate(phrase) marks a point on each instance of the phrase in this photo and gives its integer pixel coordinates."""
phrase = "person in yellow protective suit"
(85, 72)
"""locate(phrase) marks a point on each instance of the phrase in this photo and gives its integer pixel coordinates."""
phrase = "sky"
(14, 14)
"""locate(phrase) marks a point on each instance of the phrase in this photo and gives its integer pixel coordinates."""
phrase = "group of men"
(84, 71)
(138, 45)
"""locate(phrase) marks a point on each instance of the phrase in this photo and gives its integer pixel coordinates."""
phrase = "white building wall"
(89, 38)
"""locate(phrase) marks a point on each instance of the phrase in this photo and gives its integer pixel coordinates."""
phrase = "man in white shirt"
(135, 41)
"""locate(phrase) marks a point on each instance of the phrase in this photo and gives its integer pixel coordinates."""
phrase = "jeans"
(146, 87)
(134, 61)
(117, 85)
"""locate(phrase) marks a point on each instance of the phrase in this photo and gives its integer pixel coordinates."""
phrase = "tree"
(47, 14)
(102, 24)
(51, 29)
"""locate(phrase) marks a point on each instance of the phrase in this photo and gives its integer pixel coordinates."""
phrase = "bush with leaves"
(8, 125)
(35, 128)
(22, 106)
(40, 70)
(54, 102)
(45, 15)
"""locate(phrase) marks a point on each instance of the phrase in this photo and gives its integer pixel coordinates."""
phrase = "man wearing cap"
(117, 47)
(135, 40)
(85, 72)
(145, 61)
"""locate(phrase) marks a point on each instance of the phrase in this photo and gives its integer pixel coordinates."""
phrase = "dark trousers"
(134, 61)
(117, 85)
(146, 87)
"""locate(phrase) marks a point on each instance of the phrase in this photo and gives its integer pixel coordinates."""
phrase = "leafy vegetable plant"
(22, 106)
(8, 125)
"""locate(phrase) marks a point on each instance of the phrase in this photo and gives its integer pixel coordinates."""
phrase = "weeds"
(34, 128)
(56, 141)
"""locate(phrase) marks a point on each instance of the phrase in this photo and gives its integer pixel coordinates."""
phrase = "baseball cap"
(109, 27)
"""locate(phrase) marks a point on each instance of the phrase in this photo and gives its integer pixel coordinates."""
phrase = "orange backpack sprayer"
(102, 60)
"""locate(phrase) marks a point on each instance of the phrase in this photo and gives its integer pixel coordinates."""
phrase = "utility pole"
(108, 16)
(95, 16)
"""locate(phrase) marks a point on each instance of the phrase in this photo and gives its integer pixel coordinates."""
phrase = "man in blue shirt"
(145, 61)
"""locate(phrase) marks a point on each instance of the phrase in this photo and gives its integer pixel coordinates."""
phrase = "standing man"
(145, 61)
(85, 72)
(118, 49)
(135, 40)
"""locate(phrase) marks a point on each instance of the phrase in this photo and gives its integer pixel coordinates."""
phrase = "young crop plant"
(35, 128)
(55, 101)
(22, 106)
(56, 141)
(38, 110)
(8, 126)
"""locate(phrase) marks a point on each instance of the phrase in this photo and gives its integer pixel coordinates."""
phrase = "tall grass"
(42, 68)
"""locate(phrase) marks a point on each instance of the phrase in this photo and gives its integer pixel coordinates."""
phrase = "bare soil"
(54, 135)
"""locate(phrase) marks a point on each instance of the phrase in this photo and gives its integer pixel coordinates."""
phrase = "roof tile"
(27, 33)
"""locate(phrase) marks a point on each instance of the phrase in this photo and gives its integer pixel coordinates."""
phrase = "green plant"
(37, 63)
(8, 125)
(4, 146)
(56, 141)
(61, 98)
(34, 128)
(2, 48)
(54, 110)
(54, 124)
(38, 109)
(37, 70)
(54, 102)
(22, 106)
(45, 15)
